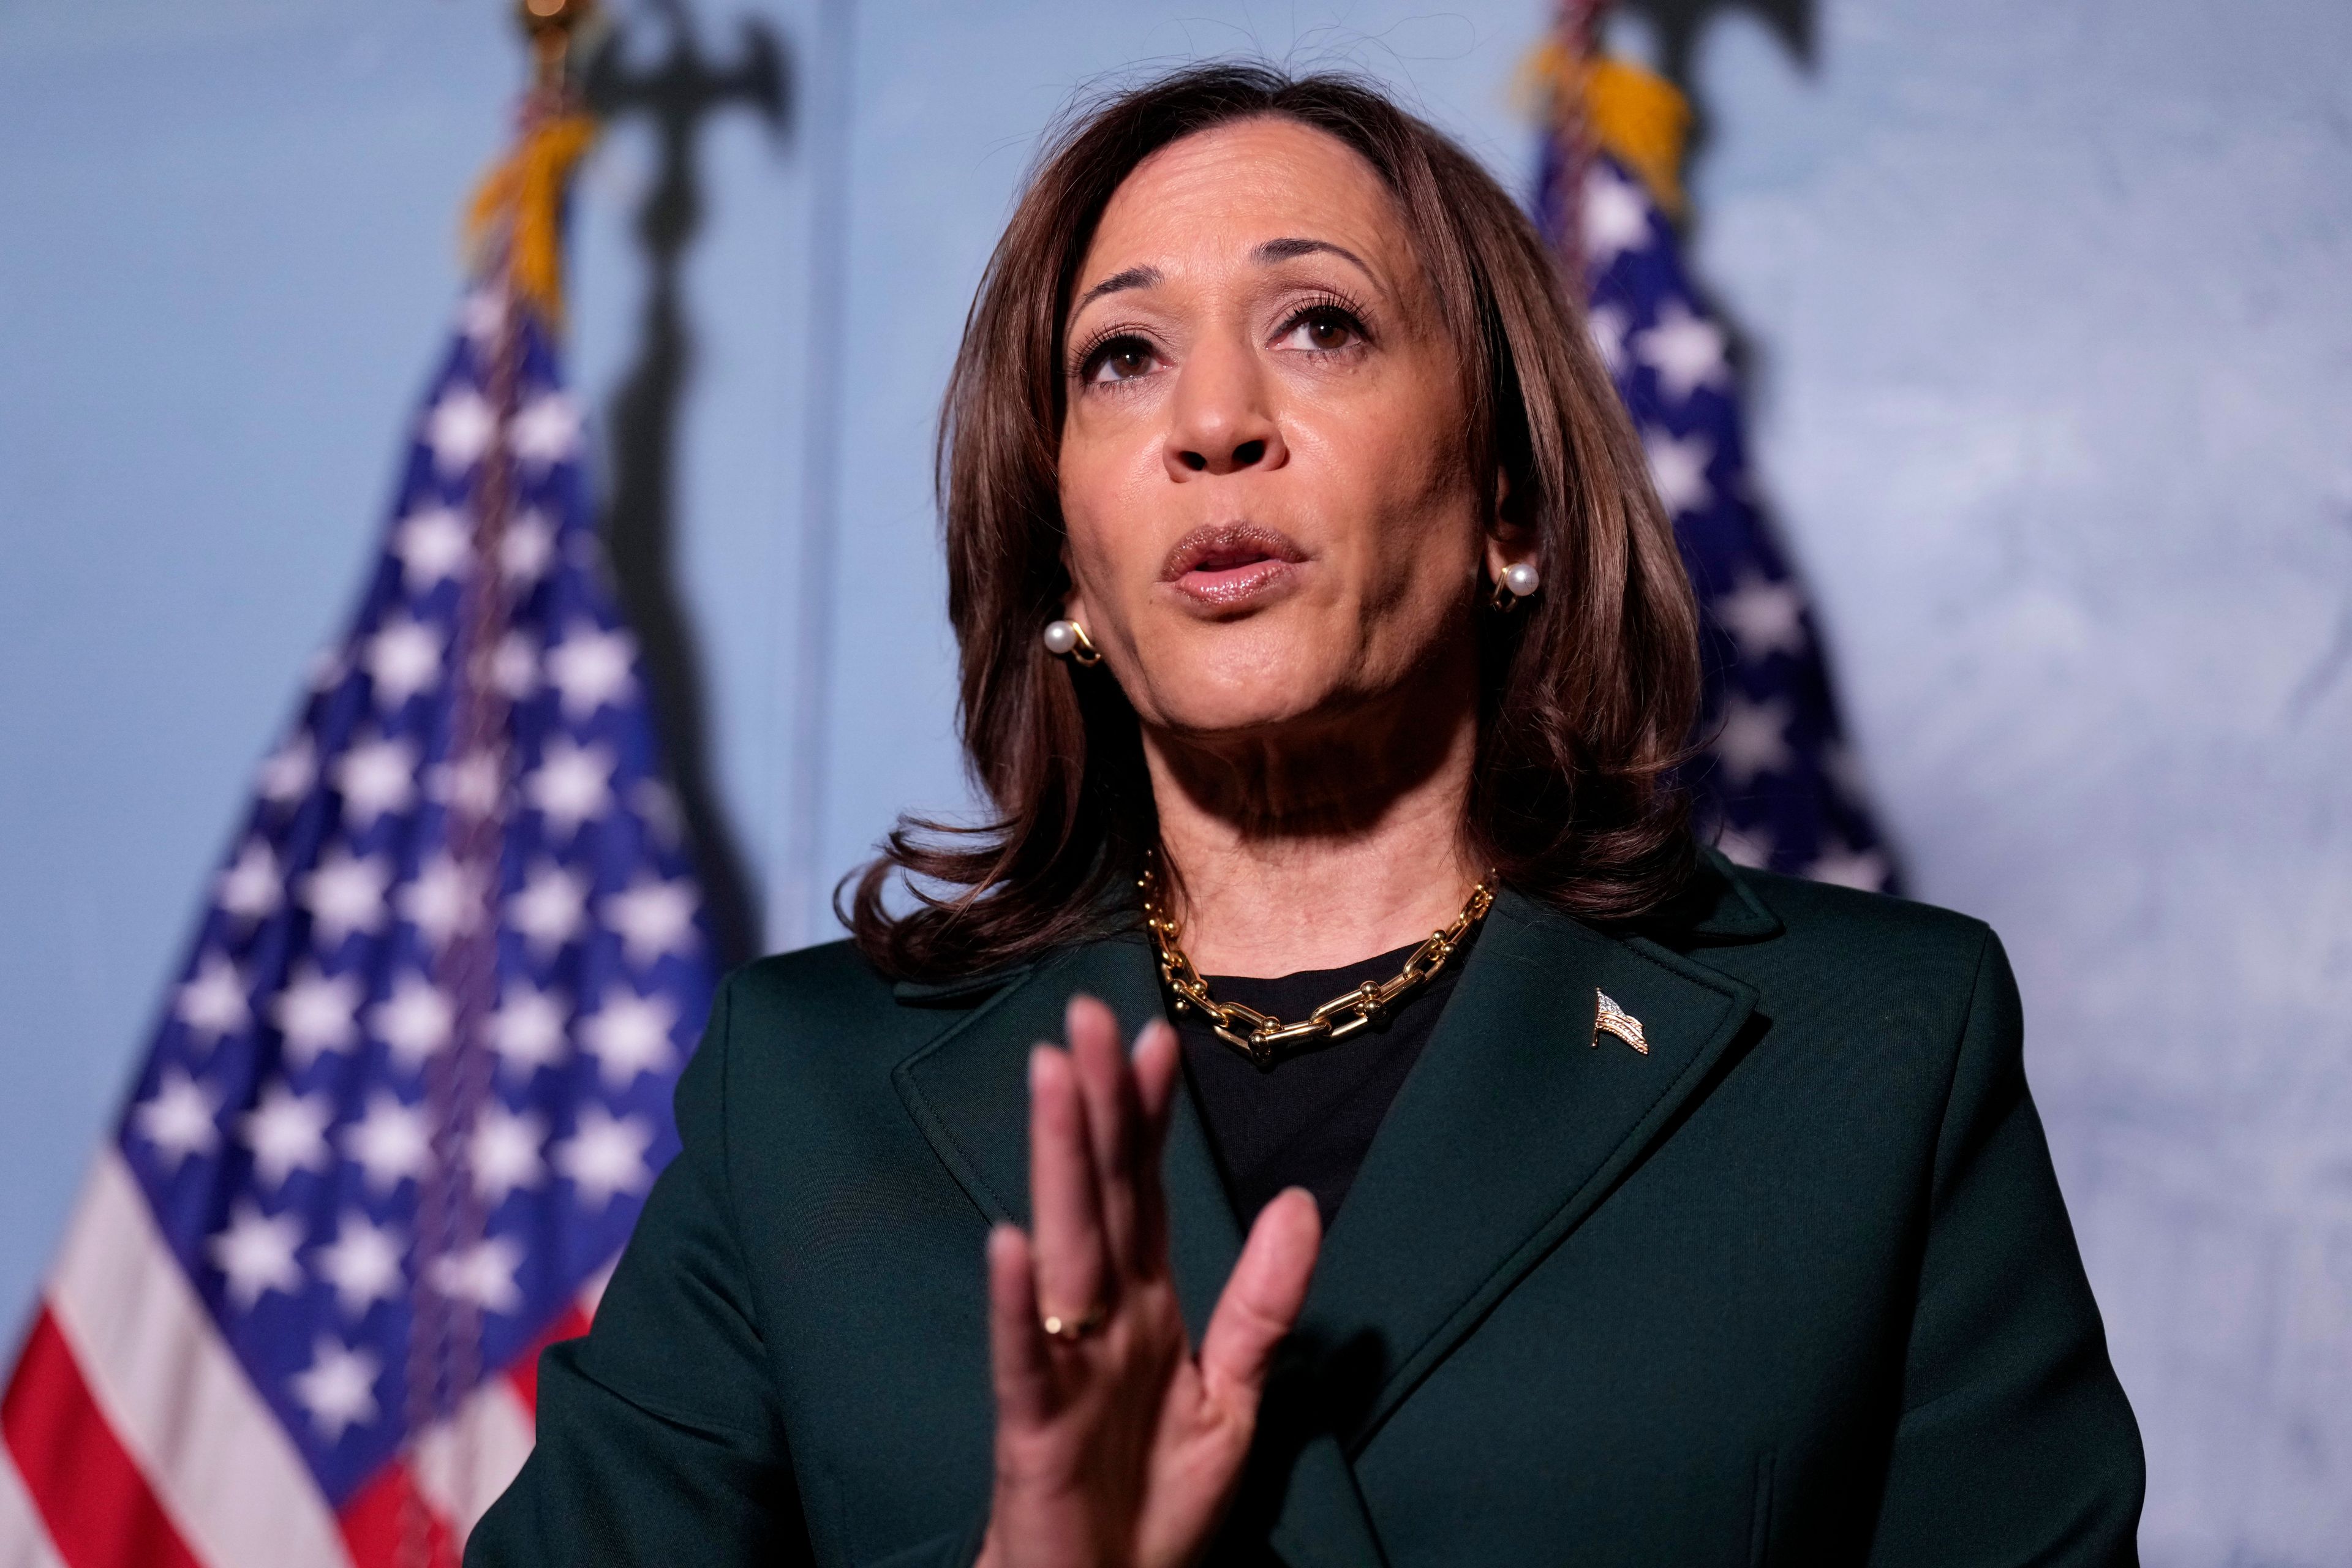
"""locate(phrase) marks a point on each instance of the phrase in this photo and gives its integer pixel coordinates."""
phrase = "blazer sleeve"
(659, 1439)
(2015, 1443)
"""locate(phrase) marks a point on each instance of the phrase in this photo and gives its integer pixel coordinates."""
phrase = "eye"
(1122, 357)
(1322, 329)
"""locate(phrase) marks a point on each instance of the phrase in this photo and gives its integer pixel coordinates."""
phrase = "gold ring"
(1070, 1331)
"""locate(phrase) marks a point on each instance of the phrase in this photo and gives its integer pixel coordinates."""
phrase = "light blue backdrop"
(2052, 306)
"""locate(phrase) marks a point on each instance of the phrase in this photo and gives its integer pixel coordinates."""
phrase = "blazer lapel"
(1511, 1129)
(969, 1092)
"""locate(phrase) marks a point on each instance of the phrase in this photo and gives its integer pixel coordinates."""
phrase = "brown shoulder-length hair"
(1589, 691)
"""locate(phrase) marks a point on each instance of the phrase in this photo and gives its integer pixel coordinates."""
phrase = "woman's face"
(1271, 517)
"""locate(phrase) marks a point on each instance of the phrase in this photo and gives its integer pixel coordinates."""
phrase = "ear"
(1509, 540)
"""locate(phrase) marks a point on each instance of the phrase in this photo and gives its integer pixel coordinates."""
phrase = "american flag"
(406, 1101)
(1776, 786)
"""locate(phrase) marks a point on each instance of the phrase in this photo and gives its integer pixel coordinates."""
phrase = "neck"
(1312, 852)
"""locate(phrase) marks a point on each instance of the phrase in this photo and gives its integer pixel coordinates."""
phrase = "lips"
(1232, 565)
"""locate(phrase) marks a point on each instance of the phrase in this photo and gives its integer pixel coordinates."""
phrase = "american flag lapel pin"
(1611, 1019)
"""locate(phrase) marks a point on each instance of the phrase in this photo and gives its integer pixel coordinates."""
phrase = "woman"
(1312, 600)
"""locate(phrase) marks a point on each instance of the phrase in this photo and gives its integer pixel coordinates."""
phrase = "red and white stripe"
(130, 1436)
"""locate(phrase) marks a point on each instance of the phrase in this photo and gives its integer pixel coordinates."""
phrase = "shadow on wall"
(679, 87)
(1679, 24)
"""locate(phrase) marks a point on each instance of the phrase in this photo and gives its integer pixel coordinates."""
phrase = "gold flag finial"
(514, 223)
(1632, 113)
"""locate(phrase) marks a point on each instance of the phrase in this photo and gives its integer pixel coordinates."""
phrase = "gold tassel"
(1640, 117)
(1635, 115)
(520, 202)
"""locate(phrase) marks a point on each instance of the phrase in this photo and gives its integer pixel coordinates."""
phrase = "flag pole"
(1577, 32)
(513, 224)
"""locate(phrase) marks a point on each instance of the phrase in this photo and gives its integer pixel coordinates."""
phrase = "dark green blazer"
(1796, 1286)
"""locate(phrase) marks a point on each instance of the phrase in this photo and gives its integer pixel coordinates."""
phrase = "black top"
(1307, 1120)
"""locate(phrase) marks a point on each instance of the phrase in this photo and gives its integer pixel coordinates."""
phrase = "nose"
(1219, 420)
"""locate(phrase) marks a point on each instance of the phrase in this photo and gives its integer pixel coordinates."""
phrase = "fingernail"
(1037, 1065)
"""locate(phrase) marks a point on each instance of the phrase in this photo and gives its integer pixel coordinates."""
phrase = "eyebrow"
(1133, 277)
(1267, 254)
(1275, 250)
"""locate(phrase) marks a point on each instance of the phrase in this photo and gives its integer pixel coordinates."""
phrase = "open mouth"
(1231, 563)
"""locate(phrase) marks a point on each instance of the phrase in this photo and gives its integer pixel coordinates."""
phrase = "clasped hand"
(1116, 1444)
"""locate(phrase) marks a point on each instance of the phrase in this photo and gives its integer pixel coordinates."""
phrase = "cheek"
(1403, 490)
(1101, 482)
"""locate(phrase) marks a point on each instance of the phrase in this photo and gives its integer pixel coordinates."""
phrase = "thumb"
(1261, 1301)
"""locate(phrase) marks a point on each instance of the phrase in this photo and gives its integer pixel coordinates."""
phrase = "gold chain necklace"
(1260, 1035)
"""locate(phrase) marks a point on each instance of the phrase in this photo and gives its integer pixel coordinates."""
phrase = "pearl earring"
(1519, 581)
(1067, 639)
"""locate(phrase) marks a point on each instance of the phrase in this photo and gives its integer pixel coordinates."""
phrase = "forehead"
(1214, 195)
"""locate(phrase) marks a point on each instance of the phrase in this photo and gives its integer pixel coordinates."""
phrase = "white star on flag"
(470, 785)
(288, 1132)
(1865, 870)
(526, 548)
(591, 668)
(328, 669)
(375, 778)
(251, 888)
(256, 1253)
(363, 1263)
(514, 669)
(1607, 324)
(460, 429)
(546, 430)
(654, 917)
(213, 1003)
(1615, 217)
(177, 1118)
(572, 783)
(527, 1031)
(392, 1142)
(1765, 617)
(1754, 739)
(286, 777)
(1752, 848)
(1686, 350)
(346, 894)
(1678, 469)
(403, 660)
(483, 1274)
(605, 1154)
(318, 1013)
(415, 1020)
(629, 1035)
(338, 1389)
(550, 908)
(433, 546)
(444, 899)
(504, 1152)
(481, 316)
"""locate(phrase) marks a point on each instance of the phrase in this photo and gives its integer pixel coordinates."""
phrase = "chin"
(1237, 681)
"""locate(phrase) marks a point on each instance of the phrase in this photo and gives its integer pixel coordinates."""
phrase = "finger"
(1108, 1086)
(1155, 1062)
(1261, 1301)
(1156, 1059)
(1067, 1237)
(1017, 1366)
